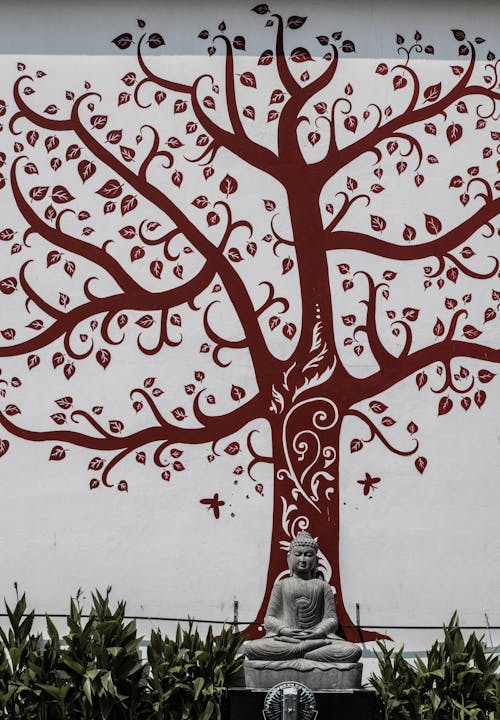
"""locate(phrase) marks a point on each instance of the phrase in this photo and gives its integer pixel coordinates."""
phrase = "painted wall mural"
(282, 237)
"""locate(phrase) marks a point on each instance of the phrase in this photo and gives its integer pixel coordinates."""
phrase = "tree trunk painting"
(138, 205)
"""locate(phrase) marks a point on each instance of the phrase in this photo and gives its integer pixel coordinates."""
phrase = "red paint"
(306, 397)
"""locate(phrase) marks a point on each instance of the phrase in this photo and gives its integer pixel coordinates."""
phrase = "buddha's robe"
(301, 605)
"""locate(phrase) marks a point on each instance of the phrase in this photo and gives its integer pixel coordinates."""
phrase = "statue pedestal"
(263, 674)
(247, 704)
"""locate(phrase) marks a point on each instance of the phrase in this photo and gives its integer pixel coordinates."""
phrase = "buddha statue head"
(303, 556)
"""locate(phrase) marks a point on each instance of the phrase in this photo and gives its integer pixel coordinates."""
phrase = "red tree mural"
(325, 145)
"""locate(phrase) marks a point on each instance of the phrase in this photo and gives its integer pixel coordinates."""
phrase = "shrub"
(97, 672)
(457, 681)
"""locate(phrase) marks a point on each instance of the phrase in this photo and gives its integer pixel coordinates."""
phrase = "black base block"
(245, 704)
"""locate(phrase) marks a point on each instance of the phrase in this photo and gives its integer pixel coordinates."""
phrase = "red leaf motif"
(4, 446)
(86, 169)
(356, 445)
(351, 123)
(266, 58)
(60, 194)
(123, 41)
(274, 321)
(479, 398)
(377, 407)
(237, 393)
(103, 357)
(228, 185)
(313, 138)
(110, 189)
(234, 255)
(249, 112)
(156, 268)
(57, 359)
(321, 108)
(177, 178)
(128, 154)
(410, 314)
(377, 223)
(454, 132)
(412, 428)
(69, 370)
(116, 426)
(445, 405)
(349, 320)
(140, 457)
(38, 192)
(289, 330)
(388, 421)
(145, 322)
(295, 21)
(438, 328)
(300, 54)
(114, 136)
(127, 232)
(98, 121)
(8, 285)
(286, 265)
(421, 464)
(12, 410)
(137, 253)
(65, 402)
(96, 463)
(470, 332)
(421, 380)
(57, 453)
(179, 413)
(409, 233)
(232, 449)
(432, 224)
(51, 143)
(248, 80)
(432, 92)
(128, 203)
(277, 96)
(489, 314)
(122, 486)
(399, 82)
(59, 418)
(485, 376)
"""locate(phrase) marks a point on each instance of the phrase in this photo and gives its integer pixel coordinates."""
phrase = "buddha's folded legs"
(272, 649)
(335, 651)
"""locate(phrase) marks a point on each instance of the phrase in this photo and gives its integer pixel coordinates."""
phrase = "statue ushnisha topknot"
(304, 538)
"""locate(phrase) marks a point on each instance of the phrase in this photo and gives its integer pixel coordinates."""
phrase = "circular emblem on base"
(290, 700)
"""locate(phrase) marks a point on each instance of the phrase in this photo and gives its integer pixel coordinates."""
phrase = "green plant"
(457, 681)
(97, 673)
(189, 675)
(102, 664)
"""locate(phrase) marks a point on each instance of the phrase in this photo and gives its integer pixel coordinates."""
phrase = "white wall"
(421, 547)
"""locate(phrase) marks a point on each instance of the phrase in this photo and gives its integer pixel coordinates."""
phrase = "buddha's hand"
(312, 634)
(288, 632)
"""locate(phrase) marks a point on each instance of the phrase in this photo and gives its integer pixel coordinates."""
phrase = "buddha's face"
(302, 561)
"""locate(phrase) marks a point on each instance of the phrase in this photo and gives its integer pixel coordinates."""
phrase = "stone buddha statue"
(301, 621)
